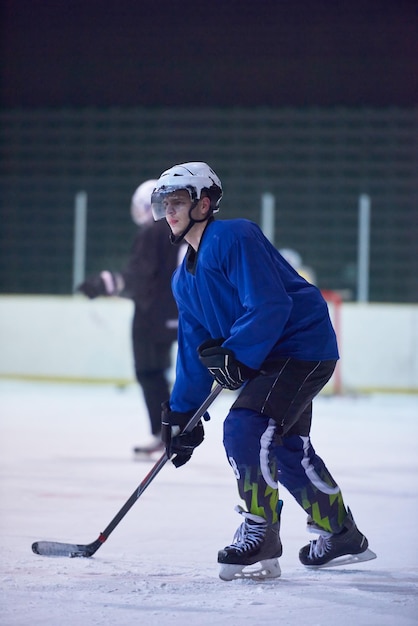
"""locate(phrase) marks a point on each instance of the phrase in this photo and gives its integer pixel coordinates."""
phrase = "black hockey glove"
(103, 284)
(180, 444)
(222, 364)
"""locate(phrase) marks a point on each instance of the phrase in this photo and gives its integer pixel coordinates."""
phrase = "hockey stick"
(55, 548)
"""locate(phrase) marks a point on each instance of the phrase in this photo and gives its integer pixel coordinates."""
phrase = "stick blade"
(55, 548)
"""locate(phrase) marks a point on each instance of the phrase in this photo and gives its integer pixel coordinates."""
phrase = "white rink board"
(72, 338)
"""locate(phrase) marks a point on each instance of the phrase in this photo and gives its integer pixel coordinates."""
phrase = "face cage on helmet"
(157, 199)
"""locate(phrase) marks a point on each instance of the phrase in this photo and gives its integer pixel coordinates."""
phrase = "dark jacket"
(147, 277)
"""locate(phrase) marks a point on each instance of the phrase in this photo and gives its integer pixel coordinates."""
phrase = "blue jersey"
(239, 287)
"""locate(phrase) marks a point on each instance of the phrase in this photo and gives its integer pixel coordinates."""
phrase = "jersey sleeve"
(193, 381)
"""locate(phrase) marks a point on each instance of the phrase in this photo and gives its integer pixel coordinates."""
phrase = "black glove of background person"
(182, 445)
(103, 284)
(222, 364)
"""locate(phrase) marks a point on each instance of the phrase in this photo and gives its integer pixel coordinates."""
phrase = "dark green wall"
(315, 161)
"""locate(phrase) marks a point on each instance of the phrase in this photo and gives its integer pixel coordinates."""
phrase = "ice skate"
(255, 543)
(329, 550)
(149, 449)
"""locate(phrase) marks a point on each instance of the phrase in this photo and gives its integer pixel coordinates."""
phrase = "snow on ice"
(67, 468)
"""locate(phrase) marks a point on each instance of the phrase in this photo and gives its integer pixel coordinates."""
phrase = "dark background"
(316, 102)
(221, 52)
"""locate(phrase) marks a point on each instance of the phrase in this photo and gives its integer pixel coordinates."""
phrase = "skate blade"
(347, 559)
(147, 455)
(263, 570)
(143, 457)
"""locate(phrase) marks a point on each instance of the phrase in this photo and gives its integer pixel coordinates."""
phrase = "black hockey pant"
(152, 361)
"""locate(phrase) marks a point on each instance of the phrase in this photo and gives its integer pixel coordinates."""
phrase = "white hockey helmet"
(141, 203)
(194, 177)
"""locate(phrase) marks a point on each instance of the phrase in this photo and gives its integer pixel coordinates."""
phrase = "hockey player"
(146, 280)
(247, 319)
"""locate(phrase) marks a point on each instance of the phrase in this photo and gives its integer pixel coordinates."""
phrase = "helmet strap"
(177, 239)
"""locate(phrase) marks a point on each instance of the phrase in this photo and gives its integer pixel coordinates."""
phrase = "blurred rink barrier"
(71, 339)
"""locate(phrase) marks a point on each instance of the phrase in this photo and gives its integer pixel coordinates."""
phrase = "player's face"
(177, 206)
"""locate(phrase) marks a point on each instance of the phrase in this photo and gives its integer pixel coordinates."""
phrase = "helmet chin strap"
(176, 239)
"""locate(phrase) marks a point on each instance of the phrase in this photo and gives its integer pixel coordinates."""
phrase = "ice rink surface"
(67, 468)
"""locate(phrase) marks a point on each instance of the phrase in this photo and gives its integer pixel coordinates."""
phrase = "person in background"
(146, 280)
(295, 260)
(248, 320)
